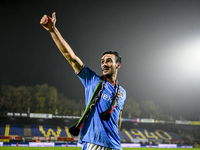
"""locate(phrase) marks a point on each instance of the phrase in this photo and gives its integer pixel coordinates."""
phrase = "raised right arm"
(49, 24)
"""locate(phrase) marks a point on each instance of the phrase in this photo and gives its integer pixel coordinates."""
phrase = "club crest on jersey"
(120, 94)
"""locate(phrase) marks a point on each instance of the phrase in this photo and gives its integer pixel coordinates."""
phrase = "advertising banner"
(15, 114)
(129, 120)
(182, 122)
(160, 121)
(37, 115)
(147, 120)
(23, 144)
(61, 144)
(41, 138)
(130, 145)
(185, 146)
(167, 145)
(41, 144)
(195, 122)
(67, 117)
(1, 143)
(72, 145)
(9, 144)
(79, 145)
(147, 145)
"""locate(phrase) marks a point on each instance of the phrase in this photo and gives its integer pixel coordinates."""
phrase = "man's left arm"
(119, 121)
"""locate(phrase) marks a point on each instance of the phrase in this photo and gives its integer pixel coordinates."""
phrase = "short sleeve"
(87, 76)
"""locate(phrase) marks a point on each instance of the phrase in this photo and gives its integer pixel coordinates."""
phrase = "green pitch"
(79, 148)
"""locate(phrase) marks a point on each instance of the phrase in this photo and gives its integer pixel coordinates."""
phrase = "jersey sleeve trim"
(81, 69)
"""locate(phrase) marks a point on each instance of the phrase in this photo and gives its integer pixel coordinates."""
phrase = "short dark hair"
(117, 56)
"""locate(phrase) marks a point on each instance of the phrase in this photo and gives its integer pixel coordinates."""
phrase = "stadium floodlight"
(187, 59)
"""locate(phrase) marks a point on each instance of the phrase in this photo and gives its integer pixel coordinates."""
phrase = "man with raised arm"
(100, 124)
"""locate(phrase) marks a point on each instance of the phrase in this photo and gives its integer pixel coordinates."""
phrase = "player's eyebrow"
(106, 58)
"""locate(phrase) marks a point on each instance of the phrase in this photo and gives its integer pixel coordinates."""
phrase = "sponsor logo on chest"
(107, 95)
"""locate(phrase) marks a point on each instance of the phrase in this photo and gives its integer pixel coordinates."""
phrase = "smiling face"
(109, 66)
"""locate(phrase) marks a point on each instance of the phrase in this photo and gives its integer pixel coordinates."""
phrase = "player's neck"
(111, 79)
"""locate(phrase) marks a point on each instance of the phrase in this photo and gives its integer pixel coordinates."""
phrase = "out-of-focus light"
(187, 59)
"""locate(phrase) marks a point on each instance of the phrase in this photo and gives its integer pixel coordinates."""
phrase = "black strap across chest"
(74, 130)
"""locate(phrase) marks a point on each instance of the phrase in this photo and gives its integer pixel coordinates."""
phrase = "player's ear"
(118, 65)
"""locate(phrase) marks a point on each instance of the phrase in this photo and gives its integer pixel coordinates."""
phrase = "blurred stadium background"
(39, 127)
(42, 114)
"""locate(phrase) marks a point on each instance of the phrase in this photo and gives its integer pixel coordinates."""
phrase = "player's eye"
(108, 60)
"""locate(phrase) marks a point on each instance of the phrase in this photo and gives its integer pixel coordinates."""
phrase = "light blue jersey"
(95, 130)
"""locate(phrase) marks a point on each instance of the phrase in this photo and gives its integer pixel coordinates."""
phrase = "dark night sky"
(159, 41)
